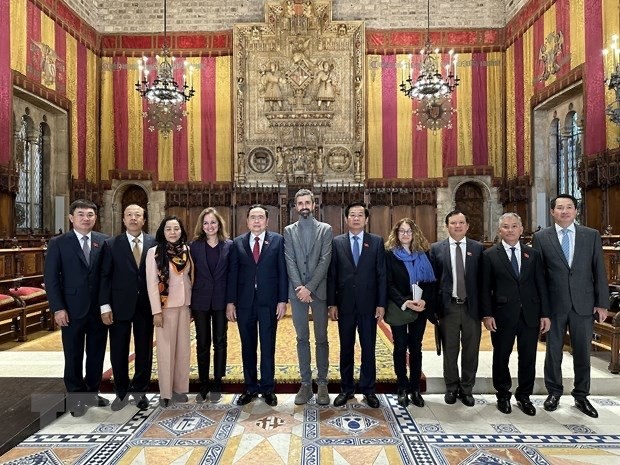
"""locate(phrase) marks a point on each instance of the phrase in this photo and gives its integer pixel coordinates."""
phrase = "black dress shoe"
(551, 403)
(79, 409)
(164, 403)
(119, 403)
(403, 400)
(468, 400)
(201, 397)
(526, 406)
(246, 398)
(450, 397)
(416, 399)
(372, 400)
(270, 399)
(342, 398)
(503, 405)
(586, 407)
(142, 402)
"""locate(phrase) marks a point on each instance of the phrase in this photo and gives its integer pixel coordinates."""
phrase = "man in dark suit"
(72, 270)
(579, 294)
(125, 306)
(514, 304)
(308, 252)
(457, 306)
(356, 298)
(257, 294)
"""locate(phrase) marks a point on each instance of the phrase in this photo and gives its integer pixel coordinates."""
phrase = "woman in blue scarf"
(407, 264)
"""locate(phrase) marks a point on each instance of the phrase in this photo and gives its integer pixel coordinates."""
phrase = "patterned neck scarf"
(175, 254)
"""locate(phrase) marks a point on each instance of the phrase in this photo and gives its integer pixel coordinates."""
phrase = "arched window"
(29, 163)
(569, 155)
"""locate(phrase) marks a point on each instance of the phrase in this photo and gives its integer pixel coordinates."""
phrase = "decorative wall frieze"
(299, 102)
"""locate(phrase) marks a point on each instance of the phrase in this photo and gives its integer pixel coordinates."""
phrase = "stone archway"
(463, 192)
(122, 194)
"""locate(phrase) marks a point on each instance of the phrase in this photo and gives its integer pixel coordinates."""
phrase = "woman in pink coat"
(169, 275)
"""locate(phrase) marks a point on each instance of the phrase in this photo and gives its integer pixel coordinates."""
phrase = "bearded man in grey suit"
(579, 295)
(308, 251)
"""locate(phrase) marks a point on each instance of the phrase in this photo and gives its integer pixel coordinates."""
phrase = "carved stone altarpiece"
(299, 102)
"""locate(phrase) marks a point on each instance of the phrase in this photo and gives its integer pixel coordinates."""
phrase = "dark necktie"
(256, 249)
(514, 262)
(137, 251)
(86, 249)
(461, 292)
(356, 250)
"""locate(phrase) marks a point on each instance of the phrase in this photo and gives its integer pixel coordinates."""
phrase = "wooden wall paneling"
(225, 212)
(274, 218)
(193, 214)
(333, 215)
(399, 212)
(592, 210)
(380, 221)
(7, 224)
(613, 207)
(241, 223)
(425, 217)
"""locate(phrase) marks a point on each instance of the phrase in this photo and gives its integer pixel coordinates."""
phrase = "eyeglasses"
(405, 232)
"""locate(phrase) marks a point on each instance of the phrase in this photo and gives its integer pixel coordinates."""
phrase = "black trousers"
(408, 338)
(366, 326)
(211, 326)
(253, 323)
(90, 334)
(120, 338)
(503, 340)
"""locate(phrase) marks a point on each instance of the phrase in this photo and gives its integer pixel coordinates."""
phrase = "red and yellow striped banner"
(32, 35)
(200, 151)
(397, 149)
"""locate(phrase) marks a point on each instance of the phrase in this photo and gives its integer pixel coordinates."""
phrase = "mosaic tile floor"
(188, 434)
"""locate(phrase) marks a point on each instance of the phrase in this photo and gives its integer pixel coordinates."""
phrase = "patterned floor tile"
(192, 433)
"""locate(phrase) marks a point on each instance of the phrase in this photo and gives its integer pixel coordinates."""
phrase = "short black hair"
(356, 204)
(82, 203)
(562, 196)
(454, 213)
(258, 205)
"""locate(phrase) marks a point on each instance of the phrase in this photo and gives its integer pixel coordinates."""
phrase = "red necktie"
(256, 249)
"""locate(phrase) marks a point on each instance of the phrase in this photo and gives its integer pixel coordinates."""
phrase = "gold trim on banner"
(136, 122)
(107, 118)
(223, 112)
(465, 151)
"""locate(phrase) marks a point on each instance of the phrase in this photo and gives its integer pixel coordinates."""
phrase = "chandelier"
(613, 81)
(164, 97)
(431, 84)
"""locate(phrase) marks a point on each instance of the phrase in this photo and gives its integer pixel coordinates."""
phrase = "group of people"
(140, 284)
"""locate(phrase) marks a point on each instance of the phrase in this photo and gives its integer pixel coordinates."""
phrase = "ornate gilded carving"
(49, 57)
(299, 105)
(549, 53)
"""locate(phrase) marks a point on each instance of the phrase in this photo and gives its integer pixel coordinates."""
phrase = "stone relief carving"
(299, 104)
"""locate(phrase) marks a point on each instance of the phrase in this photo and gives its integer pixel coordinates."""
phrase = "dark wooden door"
(470, 200)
